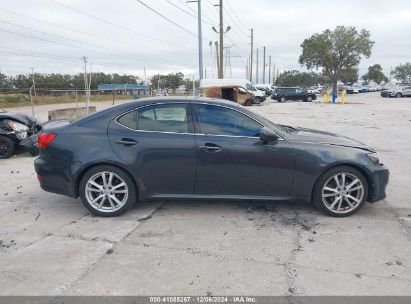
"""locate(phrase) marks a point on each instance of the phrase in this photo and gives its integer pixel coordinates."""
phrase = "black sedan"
(200, 148)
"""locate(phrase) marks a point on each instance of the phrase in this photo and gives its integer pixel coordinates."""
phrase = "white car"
(314, 90)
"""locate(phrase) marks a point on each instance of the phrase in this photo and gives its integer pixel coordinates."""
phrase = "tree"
(296, 78)
(349, 76)
(375, 74)
(336, 51)
(170, 81)
(402, 72)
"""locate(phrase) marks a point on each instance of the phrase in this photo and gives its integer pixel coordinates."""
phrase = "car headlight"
(373, 158)
(18, 127)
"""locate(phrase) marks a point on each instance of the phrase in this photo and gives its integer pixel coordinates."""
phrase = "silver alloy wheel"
(106, 191)
(309, 99)
(342, 192)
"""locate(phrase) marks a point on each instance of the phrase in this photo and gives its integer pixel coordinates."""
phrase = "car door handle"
(127, 142)
(210, 147)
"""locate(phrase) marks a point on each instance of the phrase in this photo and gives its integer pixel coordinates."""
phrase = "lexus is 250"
(201, 148)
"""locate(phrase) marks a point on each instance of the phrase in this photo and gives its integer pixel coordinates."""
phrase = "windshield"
(279, 129)
(250, 87)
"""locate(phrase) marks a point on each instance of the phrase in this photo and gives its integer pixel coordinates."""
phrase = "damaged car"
(18, 130)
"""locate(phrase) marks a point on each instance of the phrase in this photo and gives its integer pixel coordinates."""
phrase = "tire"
(281, 99)
(257, 100)
(308, 99)
(111, 204)
(249, 102)
(330, 202)
(398, 95)
(7, 147)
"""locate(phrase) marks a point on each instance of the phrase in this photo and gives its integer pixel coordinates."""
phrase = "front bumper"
(379, 176)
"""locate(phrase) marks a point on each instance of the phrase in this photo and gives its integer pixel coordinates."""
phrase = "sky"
(124, 36)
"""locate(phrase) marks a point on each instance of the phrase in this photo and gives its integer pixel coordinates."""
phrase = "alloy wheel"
(106, 191)
(342, 192)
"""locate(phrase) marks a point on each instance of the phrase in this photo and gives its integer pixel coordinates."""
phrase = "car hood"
(19, 117)
(321, 137)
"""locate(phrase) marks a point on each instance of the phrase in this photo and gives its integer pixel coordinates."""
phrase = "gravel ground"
(51, 245)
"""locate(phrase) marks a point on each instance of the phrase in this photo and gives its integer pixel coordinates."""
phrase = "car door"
(157, 144)
(407, 91)
(299, 94)
(232, 160)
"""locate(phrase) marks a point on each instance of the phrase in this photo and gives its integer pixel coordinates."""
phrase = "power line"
(188, 13)
(166, 18)
(64, 58)
(239, 20)
(142, 58)
(105, 38)
(116, 25)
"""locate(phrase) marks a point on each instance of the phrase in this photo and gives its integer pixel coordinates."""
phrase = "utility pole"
(86, 84)
(218, 58)
(34, 83)
(221, 49)
(246, 68)
(256, 69)
(251, 55)
(145, 76)
(263, 64)
(269, 69)
(221, 74)
(212, 58)
(200, 39)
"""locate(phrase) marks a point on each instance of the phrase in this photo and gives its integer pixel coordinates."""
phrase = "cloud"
(125, 36)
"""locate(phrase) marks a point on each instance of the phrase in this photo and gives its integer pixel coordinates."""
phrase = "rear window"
(160, 118)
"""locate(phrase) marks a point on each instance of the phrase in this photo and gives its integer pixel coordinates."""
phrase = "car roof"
(176, 99)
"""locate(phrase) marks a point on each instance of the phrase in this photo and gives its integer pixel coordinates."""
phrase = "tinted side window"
(160, 118)
(215, 120)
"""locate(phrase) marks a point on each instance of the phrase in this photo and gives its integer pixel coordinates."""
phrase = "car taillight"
(45, 139)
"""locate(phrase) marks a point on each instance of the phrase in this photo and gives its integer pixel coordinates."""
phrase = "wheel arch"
(358, 167)
(86, 168)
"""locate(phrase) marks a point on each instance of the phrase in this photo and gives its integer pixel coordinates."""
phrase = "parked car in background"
(351, 90)
(234, 93)
(282, 94)
(265, 87)
(260, 96)
(201, 148)
(16, 130)
(314, 90)
(399, 91)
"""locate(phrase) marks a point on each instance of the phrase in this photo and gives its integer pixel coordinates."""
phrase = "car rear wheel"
(249, 102)
(340, 191)
(282, 99)
(308, 99)
(257, 100)
(7, 147)
(398, 95)
(107, 191)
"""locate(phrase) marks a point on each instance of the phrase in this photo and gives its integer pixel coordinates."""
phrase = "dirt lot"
(51, 245)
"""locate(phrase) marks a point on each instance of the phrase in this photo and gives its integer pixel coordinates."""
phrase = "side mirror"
(268, 136)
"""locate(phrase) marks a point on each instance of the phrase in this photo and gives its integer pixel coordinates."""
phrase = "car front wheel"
(340, 191)
(309, 99)
(7, 147)
(398, 95)
(282, 99)
(107, 191)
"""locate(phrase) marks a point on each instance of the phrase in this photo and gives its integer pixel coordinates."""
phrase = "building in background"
(125, 88)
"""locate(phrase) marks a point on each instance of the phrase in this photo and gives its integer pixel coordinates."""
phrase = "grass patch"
(22, 100)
